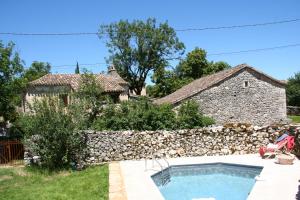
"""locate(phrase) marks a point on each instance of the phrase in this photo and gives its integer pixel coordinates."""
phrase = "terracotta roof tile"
(109, 83)
(206, 82)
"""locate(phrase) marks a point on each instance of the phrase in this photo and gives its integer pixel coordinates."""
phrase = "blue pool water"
(218, 180)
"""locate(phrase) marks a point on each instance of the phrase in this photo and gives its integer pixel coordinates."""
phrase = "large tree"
(194, 66)
(293, 90)
(36, 70)
(166, 82)
(11, 69)
(140, 47)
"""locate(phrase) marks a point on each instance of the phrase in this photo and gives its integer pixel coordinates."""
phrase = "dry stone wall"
(108, 146)
(132, 145)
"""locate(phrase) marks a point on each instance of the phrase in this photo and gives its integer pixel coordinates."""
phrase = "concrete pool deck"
(276, 182)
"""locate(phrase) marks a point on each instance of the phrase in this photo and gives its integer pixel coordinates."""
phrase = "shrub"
(136, 115)
(58, 141)
(189, 116)
(143, 115)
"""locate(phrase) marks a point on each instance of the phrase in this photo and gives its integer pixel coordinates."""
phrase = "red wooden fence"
(11, 152)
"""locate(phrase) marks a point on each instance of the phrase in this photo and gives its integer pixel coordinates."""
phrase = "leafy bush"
(293, 90)
(189, 116)
(136, 115)
(143, 115)
(57, 140)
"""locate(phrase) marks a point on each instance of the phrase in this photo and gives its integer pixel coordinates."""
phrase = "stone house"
(239, 94)
(61, 85)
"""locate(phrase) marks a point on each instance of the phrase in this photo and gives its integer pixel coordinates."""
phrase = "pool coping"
(276, 181)
(205, 164)
(116, 184)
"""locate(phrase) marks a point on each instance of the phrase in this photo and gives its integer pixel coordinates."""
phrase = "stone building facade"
(239, 94)
(62, 85)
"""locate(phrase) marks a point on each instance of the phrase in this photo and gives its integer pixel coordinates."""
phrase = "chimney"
(111, 70)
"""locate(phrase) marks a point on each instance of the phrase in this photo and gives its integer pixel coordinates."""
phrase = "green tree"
(166, 83)
(77, 70)
(194, 66)
(11, 69)
(139, 47)
(91, 97)
(36, 70)
(293, 90)
(215, 67)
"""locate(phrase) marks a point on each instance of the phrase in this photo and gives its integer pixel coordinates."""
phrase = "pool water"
(217, 180)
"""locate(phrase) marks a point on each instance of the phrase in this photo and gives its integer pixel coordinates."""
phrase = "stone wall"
(293, 110)
(132, 145)
(260, 101)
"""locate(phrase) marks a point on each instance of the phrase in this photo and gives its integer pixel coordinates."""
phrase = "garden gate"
(11, 152)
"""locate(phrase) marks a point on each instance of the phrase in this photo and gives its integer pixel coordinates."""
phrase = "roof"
(112, 72)
(108, 82)
(206, 82)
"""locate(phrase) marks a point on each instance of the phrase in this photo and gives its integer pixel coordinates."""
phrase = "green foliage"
(194, 66)
(57, 126)
(136, 115)
(166, 83)
(207, 121)
(14, 79)
(11, 68)
(89, 97)
(293, 90)
(143, 115)
(216, 67)
(189, 116)
(58, 141)
(36, 70)
(140, 47)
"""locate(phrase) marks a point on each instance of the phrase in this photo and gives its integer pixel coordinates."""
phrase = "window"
(64, 98)
(246, 84)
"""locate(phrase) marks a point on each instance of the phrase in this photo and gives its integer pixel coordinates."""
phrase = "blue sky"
(37, 16)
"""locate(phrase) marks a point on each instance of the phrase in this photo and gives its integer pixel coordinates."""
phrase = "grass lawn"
(296, 119)
(26, 183)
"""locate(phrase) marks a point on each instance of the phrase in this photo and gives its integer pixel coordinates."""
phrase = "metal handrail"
(157, 161)
(164, 158)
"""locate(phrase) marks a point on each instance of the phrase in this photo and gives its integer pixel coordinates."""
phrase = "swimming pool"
(218, 181)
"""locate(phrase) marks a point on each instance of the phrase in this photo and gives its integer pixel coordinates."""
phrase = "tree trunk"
(138, 91)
